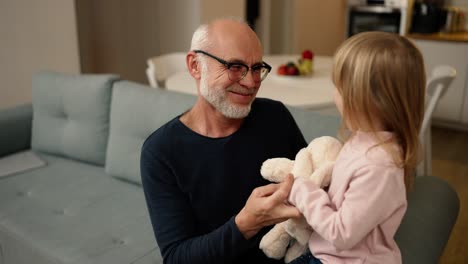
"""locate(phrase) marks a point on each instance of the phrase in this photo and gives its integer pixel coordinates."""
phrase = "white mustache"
(241, 90)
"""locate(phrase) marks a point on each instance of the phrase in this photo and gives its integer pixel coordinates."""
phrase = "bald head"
(227, 33)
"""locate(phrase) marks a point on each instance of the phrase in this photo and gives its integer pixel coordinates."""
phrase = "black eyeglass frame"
(229, 65)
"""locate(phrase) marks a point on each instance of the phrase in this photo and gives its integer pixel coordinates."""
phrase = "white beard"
(216, 96)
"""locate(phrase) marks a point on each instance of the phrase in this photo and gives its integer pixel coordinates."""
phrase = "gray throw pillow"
(71, 115)
(137, 111)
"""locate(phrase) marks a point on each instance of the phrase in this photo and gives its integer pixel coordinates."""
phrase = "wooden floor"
(450, 162)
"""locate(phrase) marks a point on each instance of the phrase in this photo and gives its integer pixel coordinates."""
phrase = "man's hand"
(267, 205)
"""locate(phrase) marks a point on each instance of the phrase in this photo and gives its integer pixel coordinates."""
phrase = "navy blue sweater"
(195, 185)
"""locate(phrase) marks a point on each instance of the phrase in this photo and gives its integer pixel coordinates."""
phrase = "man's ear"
(193, 65)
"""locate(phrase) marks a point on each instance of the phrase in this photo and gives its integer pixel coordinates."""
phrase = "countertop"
(441, 36)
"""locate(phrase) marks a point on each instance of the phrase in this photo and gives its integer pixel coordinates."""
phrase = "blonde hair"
(381, 79)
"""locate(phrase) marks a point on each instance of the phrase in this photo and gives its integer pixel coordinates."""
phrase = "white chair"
(161, 67)
(437, 85)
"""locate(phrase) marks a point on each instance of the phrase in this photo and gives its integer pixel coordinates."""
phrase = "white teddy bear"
(290, 238)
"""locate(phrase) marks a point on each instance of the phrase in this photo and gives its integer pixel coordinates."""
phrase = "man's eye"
(236, 67)
(257, 69)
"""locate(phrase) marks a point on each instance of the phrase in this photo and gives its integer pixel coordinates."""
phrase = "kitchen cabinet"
(453, 107)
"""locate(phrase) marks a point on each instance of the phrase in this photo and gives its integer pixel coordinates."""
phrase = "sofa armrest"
(15, 129)
(433, 208)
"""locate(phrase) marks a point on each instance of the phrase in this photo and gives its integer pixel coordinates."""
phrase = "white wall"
(279, 26)
(211, 9)
(118, 36)
(318, 25)
(295, 25)
(177, 21)
(35, 35)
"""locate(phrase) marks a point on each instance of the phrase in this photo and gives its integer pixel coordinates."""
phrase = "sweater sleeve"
(373, 195)
(174, 224)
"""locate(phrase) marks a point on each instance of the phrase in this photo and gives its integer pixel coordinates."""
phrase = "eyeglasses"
(237, 70)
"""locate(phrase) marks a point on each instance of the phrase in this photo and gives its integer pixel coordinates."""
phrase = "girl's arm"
(373, 194)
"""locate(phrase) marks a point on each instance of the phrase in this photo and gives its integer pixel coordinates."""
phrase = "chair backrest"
(161, 67)
(440, 79)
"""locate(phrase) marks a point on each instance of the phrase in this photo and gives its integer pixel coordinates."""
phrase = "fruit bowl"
(290, 77)
(302, 68)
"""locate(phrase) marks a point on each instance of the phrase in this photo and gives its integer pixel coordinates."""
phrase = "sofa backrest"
(71, 115)
(136, 111)
(314, 124)
(102, 120)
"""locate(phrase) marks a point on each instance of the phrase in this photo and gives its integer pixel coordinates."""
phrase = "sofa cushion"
(72, 212)
(137, 111)
(71, 115)
(15, 134)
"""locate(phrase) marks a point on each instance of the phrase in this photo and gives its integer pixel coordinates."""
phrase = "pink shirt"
(355, 222)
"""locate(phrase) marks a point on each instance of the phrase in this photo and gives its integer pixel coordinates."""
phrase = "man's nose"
(248, 81)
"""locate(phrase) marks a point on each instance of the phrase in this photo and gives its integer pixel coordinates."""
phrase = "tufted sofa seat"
(86, 204)
(72, 212)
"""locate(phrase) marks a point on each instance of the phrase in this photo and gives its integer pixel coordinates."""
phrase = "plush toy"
(290, 238)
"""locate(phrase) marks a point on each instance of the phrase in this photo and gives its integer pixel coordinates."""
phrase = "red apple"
(292, 70)
(307, 54)
(282, 69)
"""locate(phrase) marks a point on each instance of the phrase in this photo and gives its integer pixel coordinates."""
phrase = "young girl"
(380, 86)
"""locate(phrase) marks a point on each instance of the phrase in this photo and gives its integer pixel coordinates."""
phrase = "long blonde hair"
(381, 78)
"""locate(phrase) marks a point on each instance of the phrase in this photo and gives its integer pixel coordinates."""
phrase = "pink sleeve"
(373, 194)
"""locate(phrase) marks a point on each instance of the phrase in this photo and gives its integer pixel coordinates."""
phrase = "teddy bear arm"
(276, 169)
(298, 229)
(275, 243)
(322, 175)
(302, 164)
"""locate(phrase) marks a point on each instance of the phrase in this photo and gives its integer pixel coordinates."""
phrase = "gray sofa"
(86, 204)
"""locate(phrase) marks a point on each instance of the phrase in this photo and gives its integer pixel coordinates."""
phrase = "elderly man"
(201, 171)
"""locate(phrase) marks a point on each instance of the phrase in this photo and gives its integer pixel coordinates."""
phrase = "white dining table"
(313, 91)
